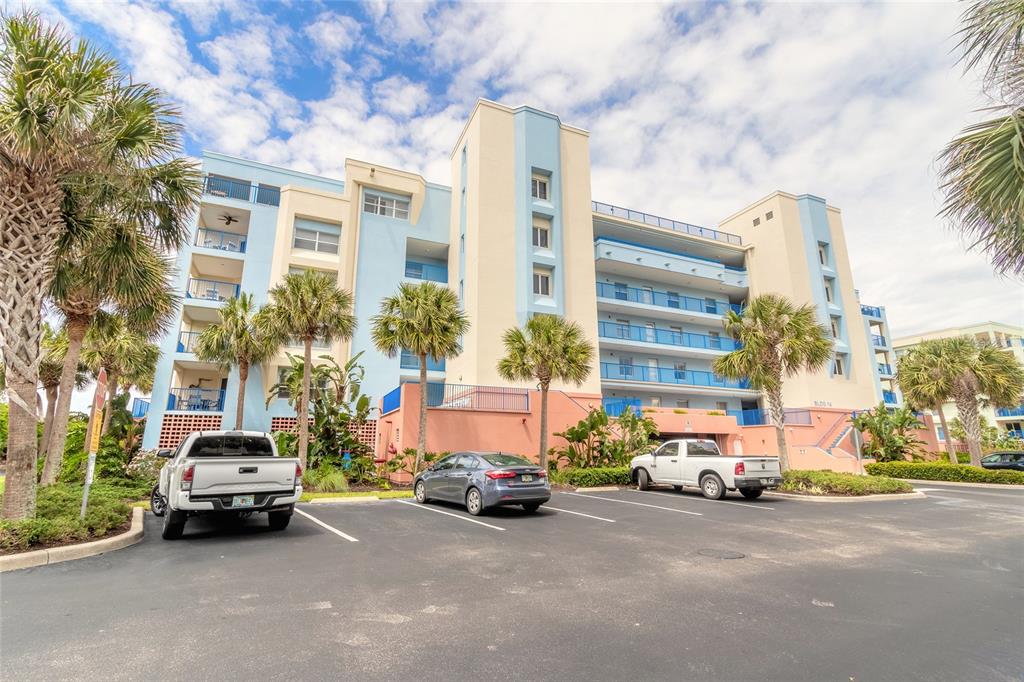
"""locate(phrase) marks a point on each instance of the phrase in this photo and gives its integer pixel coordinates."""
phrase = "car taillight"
(298, 473)
(494, 475)
(542, 474)
(187, 476)
(740, 469)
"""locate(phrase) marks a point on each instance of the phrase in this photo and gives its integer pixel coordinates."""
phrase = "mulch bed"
(124, 527)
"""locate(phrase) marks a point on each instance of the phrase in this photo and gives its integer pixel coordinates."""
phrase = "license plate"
(527, 478)
(243, 500)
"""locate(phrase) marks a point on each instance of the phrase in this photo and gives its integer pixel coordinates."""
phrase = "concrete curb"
(352, 500)
(54, 555)
(599, 489)
(847, 498)
(965, 484)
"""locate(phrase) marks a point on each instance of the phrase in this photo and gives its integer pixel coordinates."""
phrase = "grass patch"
(56, 521)
(835, 483)
(380, 494)
(939, 471)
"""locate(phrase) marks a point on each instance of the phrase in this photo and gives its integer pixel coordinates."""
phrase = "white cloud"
(333, 34)
(399, 96)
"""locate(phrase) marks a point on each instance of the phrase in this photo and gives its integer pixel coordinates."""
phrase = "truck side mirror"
(164, 453)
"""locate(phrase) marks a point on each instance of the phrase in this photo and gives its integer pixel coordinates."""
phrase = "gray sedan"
(484, 479)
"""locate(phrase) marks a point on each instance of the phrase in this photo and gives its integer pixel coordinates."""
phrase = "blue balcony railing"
(195, 399)
(426, 271)
(1015, 433)
(757, 417)
(889, 397)
(664, 299)
(241, 190)
(667, 375)
(211, 290)
(878, 341)
(614, 407)
(885, 369)
(187, 341)
(1010, 411)
(220, 240)
(667, 337)
(140, 408)
(466, 397)
(391, 401)
(665, 223)
(411, 361)
(871, 311)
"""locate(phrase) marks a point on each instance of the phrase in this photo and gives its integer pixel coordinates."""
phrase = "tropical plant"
(892, 432)
(309, 306)
(548, 348)
(585, 440)
(635, 431)
(426, 320)
(778, 339)
(71, 123)
(991, 437)
(240, 339)
(983, 168)
(597, 441)
(337, 418)
(926, 378)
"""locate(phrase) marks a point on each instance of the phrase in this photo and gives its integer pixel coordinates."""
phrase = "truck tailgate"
(240, 475)
(762, 466)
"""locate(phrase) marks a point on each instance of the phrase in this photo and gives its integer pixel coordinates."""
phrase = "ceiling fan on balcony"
(227, 219)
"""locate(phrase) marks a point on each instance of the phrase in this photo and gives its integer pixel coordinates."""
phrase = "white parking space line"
(417, 505)
(568, 511)
(324, 525)
(704, 499)
(639, 504)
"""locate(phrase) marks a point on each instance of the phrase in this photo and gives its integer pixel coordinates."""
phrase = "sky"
(694, 110)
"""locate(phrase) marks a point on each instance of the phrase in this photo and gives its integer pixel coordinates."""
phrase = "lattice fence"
(175, 427)
(366, 433)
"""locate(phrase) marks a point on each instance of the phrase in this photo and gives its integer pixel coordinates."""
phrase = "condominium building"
(1006, 336)
(517, 233)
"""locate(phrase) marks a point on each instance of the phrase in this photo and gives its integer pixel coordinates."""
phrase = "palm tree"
(309, 306)
(982, 169)
(779, 339)
(69, 119)
(981, 373)
(925, 376)
(240, 339)
(54, 347)
(548, 348)
(426, 320)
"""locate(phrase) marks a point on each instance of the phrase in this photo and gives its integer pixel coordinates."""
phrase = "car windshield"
(231, 446)
(499, 460)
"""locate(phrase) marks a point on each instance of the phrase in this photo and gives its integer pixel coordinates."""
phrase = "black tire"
(643, 481)
(751, 494)
(677, 488)
(531, 507)
(174, 524)
(420, 491)
(157, 503)
(712, 487)
(474, 502)
(279, 519)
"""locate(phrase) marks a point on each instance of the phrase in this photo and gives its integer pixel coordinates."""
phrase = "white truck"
(226, 472)
(699, 463)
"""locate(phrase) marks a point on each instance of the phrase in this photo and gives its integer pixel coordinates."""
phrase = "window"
(721, 407)
(711, 306)
(940, 433)
(714, 340)
(680, 371)
(313, 235)
(502, 460)
(298, 270)
(539, 186)
(823, 253)
(446, 463)
(672, 299)
(282, 388)
(667, 450)
(541, 232)
(682, 403)
(655, 401)
(757, 221)
(828, 291)
(621, 291)
(835, 328)
(385, 206)
(837, 366)
(701, 448)
(467, 462)
(622, 329)
(769, 215)
(541, 283)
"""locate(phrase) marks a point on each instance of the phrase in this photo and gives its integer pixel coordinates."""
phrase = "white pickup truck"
(699, 463)
(227, 472)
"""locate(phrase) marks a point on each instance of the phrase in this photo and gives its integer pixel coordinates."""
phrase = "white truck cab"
(699, 463)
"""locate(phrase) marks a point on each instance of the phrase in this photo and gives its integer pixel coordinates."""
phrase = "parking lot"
(621, 585)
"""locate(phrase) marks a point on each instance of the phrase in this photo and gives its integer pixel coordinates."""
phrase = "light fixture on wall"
(372, 172)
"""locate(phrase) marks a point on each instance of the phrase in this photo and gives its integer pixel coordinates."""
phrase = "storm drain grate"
(721, 554)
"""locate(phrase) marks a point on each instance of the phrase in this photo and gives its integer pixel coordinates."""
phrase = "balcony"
(426, 271)
(465, 397)
(1010, 411)
(187, 341)
(241, 190)
(665, 223)
(889, 397)
(871, 311)
(195, 399)
(211, 290)
(410, 361)
(667, 375)
(665, 337)
(757, 417)
(885, 369)
(626, 258)
(220, 240)
(614, 407)
(665, 300)
(140, 408)
(878, 341)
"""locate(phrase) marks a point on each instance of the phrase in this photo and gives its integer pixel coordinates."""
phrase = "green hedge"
(592, 476)
(938, 471)
(835, 483)
(56, 519)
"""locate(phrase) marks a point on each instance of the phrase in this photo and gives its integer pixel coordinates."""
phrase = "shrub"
(56, 520)
(678, 411)
(835, 483)
(145, 466)
(592, 476)
(716, 413)
(324, 479)
(938, 471)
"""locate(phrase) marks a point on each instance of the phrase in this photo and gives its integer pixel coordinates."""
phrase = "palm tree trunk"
(19, 492)
(243, 376)
(778, 417)
(76, 326)
(544, 426)
(967, 406)
(950, 447)
(307, 369)
(51, 407)
(421, 440)
(111, 394)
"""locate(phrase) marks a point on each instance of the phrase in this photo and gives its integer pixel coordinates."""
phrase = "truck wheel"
(643, 482)
(712, 487)
(174, 524)
(279, 519)
(157, 503)
(751, 494)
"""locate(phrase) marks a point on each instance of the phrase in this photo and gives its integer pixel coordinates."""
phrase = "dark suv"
(1007, 459)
